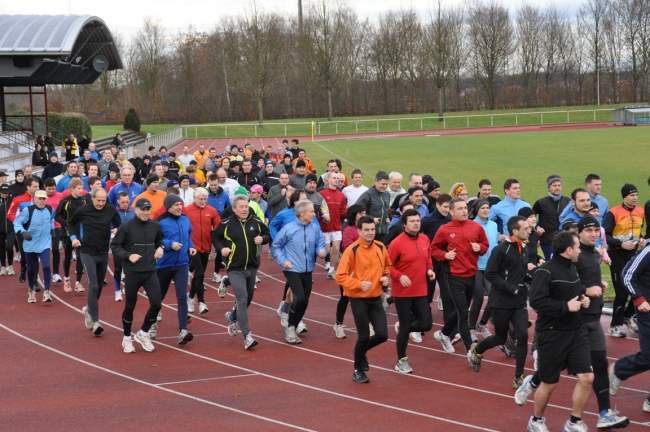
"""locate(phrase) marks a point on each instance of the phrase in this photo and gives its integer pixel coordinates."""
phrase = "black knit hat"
(587, 221)
(628, 189)
(526, 212)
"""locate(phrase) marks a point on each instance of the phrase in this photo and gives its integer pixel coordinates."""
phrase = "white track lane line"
(207, 379)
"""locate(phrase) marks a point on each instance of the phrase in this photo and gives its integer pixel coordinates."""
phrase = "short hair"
(395, 174)
(365, 220)
(577, 191)
(200, 191)
(381, 175)
(237, 198)
(443, 198)
(407, 214)
(93, 165)
(592, 177)
(190, 169)
(129, 167)
(406, 202)
(562, 241)
(413, 175)
(295, 197)
(122, 194)
(49, 182)
(215, 177)
(67, 164)
(484, 182)
(353, 211)
(31, 181)
(92, 180)
(76, 182)
(327, 175)
(454, 201)
(302, 206)
(173, 191)
(331, 161)
(94, 192)
(358, 171)
(338, 164)
(508, 183)
(513, 223)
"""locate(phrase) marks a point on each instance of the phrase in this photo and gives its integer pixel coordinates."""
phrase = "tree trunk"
(260, 108)
(441, 103)
(225, 78)
(329, 99)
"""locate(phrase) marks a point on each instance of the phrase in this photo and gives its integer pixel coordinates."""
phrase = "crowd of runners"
(166, 219)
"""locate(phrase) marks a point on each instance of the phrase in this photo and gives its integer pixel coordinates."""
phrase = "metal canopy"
(53, 49)
(638, 110)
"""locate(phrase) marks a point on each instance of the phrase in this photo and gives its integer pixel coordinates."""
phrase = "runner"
(53, 200)
(126, 213)
(363, 273)
(377, 202)
(137, 244)
(7, 233)
(18, 204)
(411, 268)
(549, 209)
(502, 211)
(594, 184)
(90, 230)
(356, 189)
(484, 193)
(67, 208)
(295, 249)
(332, 230)
(580, 204)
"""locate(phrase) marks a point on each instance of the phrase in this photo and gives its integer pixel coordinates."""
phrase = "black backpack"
(31, 209)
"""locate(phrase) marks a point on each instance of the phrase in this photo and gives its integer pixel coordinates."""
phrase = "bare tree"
(592, 15)
(150, 48)
(551, 34)
(491, 40)
(613, 46)
(566, 50)
(530, 34)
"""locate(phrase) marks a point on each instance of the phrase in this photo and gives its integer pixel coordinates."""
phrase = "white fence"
(168, 138)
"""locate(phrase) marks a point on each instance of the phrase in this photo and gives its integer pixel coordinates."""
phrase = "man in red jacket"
(204, 219)
(412, 264)
(332, 230)
(457, 245)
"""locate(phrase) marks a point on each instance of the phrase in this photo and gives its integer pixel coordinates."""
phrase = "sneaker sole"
(254, 344)
(401, 371)
(98, 331)
(128, 351)
(204, 311)
(143, 347)
(188, 337)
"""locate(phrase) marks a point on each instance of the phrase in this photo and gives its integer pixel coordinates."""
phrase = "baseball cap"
(3, 174)
(40, 194)
(257, 188)
(4, 188)
(143, 203)
(172, 183)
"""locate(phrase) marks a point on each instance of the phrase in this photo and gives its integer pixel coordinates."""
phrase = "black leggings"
(461, 291)
(198, 263)
(502, 319)
(7, 248)
(67, 259)
(414, 315)
(368, 311)
(56, 253)
(301, 288)
(132, 283)
(621, 311)
(481, 289)
(341, 307)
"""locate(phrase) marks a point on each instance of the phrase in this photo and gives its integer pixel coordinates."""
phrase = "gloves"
(27, 236)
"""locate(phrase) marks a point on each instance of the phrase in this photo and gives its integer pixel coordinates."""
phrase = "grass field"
(617, 155)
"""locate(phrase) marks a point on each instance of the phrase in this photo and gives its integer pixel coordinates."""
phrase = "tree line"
(262, 65)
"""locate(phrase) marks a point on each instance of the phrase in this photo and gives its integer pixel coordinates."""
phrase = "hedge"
(75, 123)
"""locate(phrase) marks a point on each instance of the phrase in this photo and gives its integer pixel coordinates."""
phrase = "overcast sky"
(125, 16)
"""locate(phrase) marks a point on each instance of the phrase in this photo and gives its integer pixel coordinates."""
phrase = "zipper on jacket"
(243, 227)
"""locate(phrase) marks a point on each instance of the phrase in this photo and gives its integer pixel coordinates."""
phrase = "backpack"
(30, 210)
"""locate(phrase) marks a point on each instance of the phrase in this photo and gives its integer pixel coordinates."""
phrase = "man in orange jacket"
(363, 272)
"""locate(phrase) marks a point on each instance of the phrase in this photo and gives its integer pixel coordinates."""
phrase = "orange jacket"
(309, 168)
(363, 261)
(203, 220)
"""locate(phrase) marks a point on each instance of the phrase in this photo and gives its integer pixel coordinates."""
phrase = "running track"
(58, 376)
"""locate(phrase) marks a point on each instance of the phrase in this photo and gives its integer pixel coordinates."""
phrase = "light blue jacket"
(284, 217)
(299, 244)
(134, 189)
(492, 233)
(40, 228)
(502, 211)
(603, 208)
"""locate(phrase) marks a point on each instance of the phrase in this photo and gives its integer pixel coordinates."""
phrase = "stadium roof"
(55, 49)
(639, 110)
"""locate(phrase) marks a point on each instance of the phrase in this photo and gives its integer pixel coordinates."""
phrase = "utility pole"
(300, 16)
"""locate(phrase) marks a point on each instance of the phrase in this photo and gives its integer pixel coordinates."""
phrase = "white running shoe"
(97, 329)
(223, 288)
(484, 330)
(403, 366)
(439, 301)
(302, 327)
(535, 360)
(578, 426)
(56, 278)
(444, 341)
(284, 319)
(614, 381)
(46, 296)
(118, 296)
(153, 331)
(646, 405)
(291, 336)
(216, 278)
(127, 345)
(617, 331)
(203, 308)
(74, 255)
(184, 337)
(523, 393)
(249, 342)
(78, 287)
(3, 271)
(87, 318)
(632, 325)
(144, 340)
(327, 266)
(232, 325)
(611, 420)
(331, 273)
(339, 330)
(537, 426)
(279, 309)
(31, 296)
(10, 271)
(416, 337)
(257, 280)
(159, 317)
(190, 304)
(17, 257)
(371, 330)
(384, 303)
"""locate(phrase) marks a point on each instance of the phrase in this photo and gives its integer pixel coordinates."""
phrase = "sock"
(127, 337)
(575, 419)
(603, 412)
(536, 418)
(285, 307)
(535, 381)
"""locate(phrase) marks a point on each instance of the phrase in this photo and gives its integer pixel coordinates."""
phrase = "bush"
(132, 121)
(75, 123)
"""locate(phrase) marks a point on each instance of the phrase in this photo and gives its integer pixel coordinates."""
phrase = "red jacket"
(457, 236)
(410, 256)
(336, 202)
(203, 221)
(18, 204)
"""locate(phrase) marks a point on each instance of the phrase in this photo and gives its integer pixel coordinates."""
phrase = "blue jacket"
(502, 211)
(40, 228)
(63, 183)
(603, 208)
(285, 217)
(492, 233)
(569, 215)
(299, 244)
(126, 215)
(175, 230)
(133, 190)
(219, 201)
(636, 274)
(85, 180)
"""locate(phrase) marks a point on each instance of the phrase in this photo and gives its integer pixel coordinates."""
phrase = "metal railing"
(42, 128)
(432, 123)
(167, 139)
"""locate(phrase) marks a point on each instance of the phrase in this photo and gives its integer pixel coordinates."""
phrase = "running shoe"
(402, 366)
(56, 278)
(474, 359)
(302, 327)
(74, 255)
(416, 337)
(46, 296)
(360, 377)
(184, 337)
(249, 342)
(159, 317)
(118, 296)
(190, 304)
(257, 280)
(17, 257)
(97, 329)
(535, 363)
(3, 271)
(537, 426)
(518, 381)
(271, 257)
(484, 330)
(78, 287)
(472, 334)
(506, 351)
(127, 345)
(339, 330)
(444, 341)
(617, 331)
(153, 331)
(223, 288)
(632, 325)
(10, 271)
(371, 330)
(232, 325)
(524, 391)
(31, 296)
(21, 276)
(144, 340)
(279, 309)
(105, 282)
(284, 319)
(610, 419)
(216, 278)
(384, 303)
(203, 308)
(578, 426)
(646, 405)
(330, 274)
(456, 339)
(439, 301)
(614, 381)
(291, 336)
(327, 266)
(66, 285)
(397, 327)
(87, 318)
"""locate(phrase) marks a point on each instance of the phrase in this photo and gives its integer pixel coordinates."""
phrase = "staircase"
(16, 149)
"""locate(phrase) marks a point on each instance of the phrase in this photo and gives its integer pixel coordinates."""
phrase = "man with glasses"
(126, 185)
